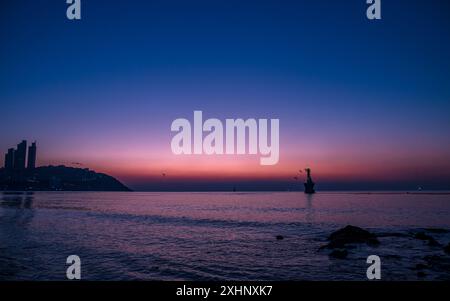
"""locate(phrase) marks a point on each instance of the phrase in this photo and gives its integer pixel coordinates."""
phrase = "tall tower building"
(20, 155)
(9, 159)
(31, 164)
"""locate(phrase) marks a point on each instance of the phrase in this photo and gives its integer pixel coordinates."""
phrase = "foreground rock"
(439, 264)
(431, 241)
(339, 253)
(437, 230)
(447, 248)
(350, 235)
(421, 266)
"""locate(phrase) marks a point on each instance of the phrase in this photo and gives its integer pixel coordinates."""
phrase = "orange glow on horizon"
(132, 162)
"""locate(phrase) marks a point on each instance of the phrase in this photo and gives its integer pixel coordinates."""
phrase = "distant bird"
(163, 174)
(295, 178)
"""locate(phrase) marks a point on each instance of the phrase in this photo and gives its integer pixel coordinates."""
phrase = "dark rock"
(339, 253)
(431, 259)
(392, 234)
(437, 263)
(279, 237)
(422, 236)
(447, 248)
(437, 230)
(421, 266)
(350, 235)
(433, 243)
(421, 274)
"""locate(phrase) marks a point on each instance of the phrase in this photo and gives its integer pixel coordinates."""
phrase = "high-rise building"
(20, 155)
(31, 164)
(9, 159)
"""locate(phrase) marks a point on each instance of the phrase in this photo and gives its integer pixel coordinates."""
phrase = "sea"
(220, 235)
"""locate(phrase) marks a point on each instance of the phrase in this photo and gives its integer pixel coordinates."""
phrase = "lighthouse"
(309, 184)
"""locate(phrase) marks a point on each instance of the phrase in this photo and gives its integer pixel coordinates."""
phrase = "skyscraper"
(9, 159)
(20, 155)
(31, 164)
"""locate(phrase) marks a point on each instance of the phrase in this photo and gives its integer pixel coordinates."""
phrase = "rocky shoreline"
(341, 243)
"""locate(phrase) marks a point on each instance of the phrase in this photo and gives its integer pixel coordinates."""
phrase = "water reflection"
(309, 216)
(22, 202)
(16, 215)
(204, 236)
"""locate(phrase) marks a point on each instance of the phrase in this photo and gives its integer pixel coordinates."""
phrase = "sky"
(364, 104)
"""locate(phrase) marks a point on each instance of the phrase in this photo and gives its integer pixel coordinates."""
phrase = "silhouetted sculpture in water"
(309, 184)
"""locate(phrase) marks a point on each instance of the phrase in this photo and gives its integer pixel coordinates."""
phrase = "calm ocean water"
(215, 236)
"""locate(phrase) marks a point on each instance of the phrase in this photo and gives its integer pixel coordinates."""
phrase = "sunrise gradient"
(364, 104)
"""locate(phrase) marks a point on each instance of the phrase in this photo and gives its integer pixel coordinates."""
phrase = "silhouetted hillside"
(59, 178)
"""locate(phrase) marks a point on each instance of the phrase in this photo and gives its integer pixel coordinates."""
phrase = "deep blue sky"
(348, 91)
